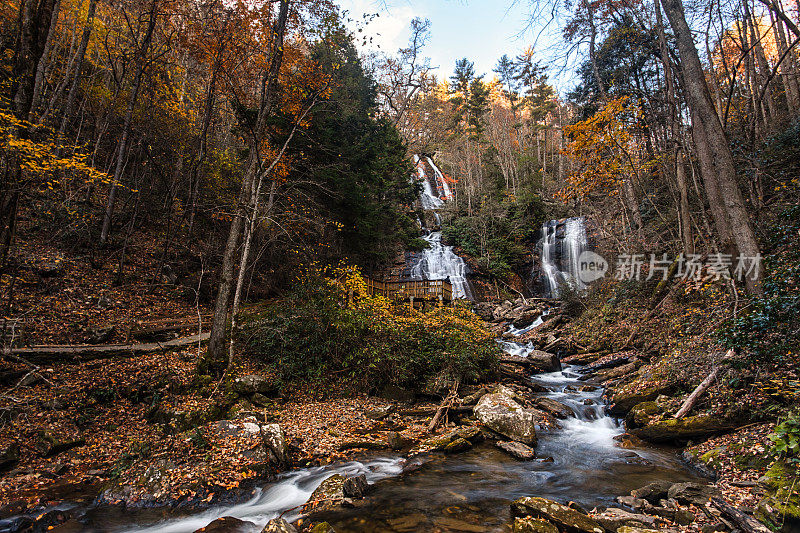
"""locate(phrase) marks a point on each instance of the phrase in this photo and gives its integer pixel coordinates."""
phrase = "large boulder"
(252, 384)
(458, 440)
(527, 317)
(641, 414)
(500, 413)
(624, 399)
(227, 524)
(565, 518)
(543, 361)
(262, 447)
(692, 427)
(652, 492)
(557, 409)
(692, 493)
(278, 525)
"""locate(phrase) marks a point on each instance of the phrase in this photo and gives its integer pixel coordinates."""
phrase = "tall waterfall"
(438, 261)
(562, 242)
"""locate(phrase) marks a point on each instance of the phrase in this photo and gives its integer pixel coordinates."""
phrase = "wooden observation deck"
(422, 290)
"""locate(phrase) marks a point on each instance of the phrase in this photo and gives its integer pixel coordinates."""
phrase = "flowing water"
(562, 242)
(438, 261)
(471, 491)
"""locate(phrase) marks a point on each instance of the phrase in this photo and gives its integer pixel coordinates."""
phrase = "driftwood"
(446, 404)
(98, 352)
(431, 411)
(746, 523)
(148, 329)
(692, 398)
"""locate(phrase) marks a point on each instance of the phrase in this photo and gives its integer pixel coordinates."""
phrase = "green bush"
(315, 335)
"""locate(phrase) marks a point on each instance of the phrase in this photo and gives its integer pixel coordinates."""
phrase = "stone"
(629, 529)
(653, 492)
(472, 399)
(529, 524)
(517, 449)
(408, 523)
(688, 493)
(278, 525)
(262, 446)
(692, 427)
(100, 335)
(566, 519)
(355, 487)
(557, 409)
(503, 415)
(397, 394)
(259, 400)
(624, 400)
(455, 524)
(527, 317)
(640, 414)
(637, 504)
(327, 497)
(227, 524)
(396, 440)
(275, 440)
(380, 412)
(614, 373)
(323, 527)
(544, 361)
(614, 518)
(252, 384)
(457, 445)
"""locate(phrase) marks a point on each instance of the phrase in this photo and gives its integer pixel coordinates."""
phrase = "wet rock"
(70, 526)
(355, 487)
(629, 529)
(278, 525)
(529, 524)
(252, 384)
(527, 317)
(641, 414)
(637, 504)
(327, 497)
(557, 409)
(688, 493)
(454, 524)
(227, 524)
(653, 492)
(366, 444)
(566, 519)
(543, 361)
(503, 415)
(457, 445)
(716, 526)
(412, 522)
(613, 519)
(396, 440)
(577, 507)
(671, 430)
(517, 449)
(323, 527)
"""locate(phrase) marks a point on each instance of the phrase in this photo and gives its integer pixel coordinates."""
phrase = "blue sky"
(480, 30)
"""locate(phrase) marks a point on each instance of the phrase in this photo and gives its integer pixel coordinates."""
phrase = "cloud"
(389, 31)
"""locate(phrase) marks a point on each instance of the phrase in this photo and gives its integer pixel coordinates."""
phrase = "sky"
(480, 30)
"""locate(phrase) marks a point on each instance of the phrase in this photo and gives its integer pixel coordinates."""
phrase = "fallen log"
(431, 411)
(91, 351)
(692, 399)
(746, 523)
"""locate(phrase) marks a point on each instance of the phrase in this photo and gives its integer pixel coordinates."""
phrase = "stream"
(471, 491)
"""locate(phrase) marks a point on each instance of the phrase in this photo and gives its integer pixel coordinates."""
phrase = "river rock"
(669, 430)
(543, 361)
(278, 525)
(227, 524)
(500, 413)
(355, 487)
(379, 412)
(637, 504)
(641, 414)
(252, 384)
(529, 524)
(327, 497)
(566, 519)
(517, 449)
(688, 493)
(323, 527)
(629, 529)
(263, 446)
(275, 440)
(624, 400)
(458, 440)
(557, 409)
(613, 519)
(652, 492)
(527, 317)
(485, 310)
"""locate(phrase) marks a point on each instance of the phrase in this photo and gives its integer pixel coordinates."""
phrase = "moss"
(783, 485)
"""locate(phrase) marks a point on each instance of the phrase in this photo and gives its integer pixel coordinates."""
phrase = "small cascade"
(562, 243)
(438, 261)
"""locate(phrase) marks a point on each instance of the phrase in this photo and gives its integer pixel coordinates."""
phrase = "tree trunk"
(215, 358)
(35, 17)
(76, 77)
(719, 168)
(126, 128)
(41, 68)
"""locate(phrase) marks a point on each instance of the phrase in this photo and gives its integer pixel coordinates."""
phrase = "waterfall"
(562, 243)
(438, 261)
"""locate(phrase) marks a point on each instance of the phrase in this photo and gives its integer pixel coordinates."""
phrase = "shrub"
(320, 332)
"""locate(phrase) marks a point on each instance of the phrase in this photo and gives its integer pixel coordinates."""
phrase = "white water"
(293, 490)
(440, 262)
(560, 254)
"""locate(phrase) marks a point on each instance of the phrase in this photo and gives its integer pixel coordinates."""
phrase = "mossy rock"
(565, 518)
(624, 400)
(323, 527)
(781, 506)
(676, 430)
(641, 414)
(529, 524)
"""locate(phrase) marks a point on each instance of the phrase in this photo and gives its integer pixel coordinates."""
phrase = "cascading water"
(438, 261)
(562, 243)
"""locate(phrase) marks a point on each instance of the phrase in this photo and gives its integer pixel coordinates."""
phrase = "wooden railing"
(412, 290)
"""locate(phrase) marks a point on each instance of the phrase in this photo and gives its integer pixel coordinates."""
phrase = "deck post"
(411, 302)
